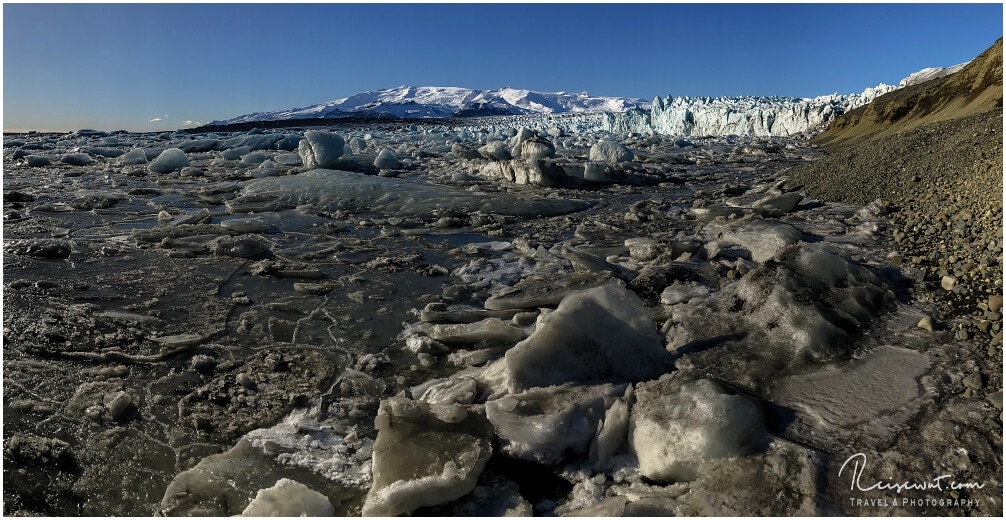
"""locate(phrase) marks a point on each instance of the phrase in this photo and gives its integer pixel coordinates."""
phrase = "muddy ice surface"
(485, 320)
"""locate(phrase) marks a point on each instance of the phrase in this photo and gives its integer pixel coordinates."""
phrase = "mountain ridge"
(411, 102)
(975, 87)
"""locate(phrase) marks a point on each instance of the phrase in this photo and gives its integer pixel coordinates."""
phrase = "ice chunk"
(386, 160)
(642, 249)
(77, 159)
(676, 427)
(320, 149)
(520, 171)
(489, 329)
(134, 156)
(37, 161)
(710, 213)
(289, 498)
(600, 334)
(536, 148)
(447, 398)
(608, 151)
(496, 150)
(818, 294)
(189, 218)
(523, 134)
(599, 172)
(681, 292)
(545, 424)
(168, 161)
(234, 154)
(464, 152)
(287, 159)
(460, 390)
(266, 169)
(611, 431)
(357, 145)
(533, 291)
(223, 484)
(779, 204)
(762, 238)
(495, 246)
(253, 158)
(420, 460)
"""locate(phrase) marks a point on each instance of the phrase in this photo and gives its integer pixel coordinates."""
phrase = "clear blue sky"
(113, 66)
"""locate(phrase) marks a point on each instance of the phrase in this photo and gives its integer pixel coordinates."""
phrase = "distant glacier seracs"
(760, 116)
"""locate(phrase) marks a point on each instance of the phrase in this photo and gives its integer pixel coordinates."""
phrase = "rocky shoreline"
(943, 186)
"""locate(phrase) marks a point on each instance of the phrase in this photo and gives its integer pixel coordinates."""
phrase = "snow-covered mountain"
(435, 102)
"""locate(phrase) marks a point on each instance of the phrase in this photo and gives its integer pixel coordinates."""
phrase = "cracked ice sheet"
(333, 190)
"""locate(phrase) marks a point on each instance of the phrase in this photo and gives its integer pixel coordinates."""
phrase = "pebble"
(995, 302)
(120, 403)
(927, 323)
(996, 400)
(962, 334)
(948, 283)
(973, 381)
(246, 381)
(203, 363)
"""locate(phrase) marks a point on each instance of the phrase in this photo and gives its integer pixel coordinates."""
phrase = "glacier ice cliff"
(747, 115)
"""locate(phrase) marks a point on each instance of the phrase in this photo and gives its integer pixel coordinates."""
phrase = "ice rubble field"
(638, 355)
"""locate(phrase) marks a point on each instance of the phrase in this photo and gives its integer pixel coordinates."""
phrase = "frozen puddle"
(868, 395)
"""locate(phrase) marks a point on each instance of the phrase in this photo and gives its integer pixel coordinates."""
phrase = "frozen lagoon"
(677, 332)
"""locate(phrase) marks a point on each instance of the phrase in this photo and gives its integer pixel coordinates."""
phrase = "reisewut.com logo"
(855, 466)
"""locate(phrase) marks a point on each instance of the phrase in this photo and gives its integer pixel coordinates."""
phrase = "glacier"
(773, 116)
(745, 115)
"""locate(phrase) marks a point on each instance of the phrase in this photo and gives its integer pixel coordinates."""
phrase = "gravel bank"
(943, 184)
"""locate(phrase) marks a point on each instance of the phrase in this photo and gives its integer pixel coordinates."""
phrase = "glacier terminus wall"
(760, 116)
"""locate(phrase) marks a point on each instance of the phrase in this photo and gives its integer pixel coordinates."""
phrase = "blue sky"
(118, 66)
